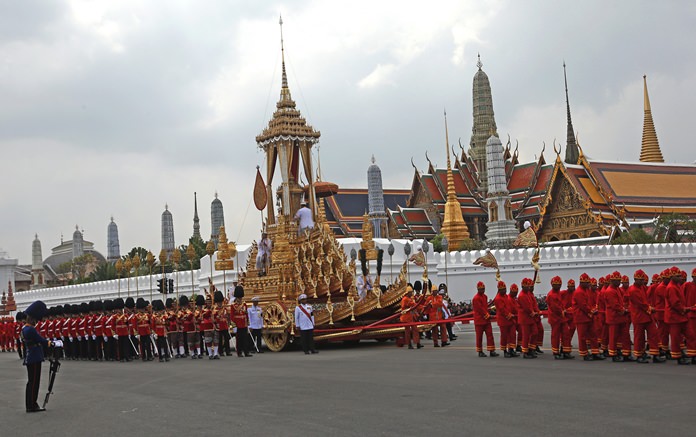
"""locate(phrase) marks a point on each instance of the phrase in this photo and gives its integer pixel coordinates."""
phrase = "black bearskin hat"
(218, 298)
(238, 291)
(130, 303)
(200, 300)
(183, 301)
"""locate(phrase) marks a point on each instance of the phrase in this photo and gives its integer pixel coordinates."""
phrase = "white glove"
(70, 338)
(79, 338)
(94, 336)
(116, 336)
(155, 335)
(106, 338)
(137, 336)
(58, 343)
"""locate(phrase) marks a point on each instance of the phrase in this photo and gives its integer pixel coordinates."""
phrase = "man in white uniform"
(304, 321)
(256, 322)
(304, 218)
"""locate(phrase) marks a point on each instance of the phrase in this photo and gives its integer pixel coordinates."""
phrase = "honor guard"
(238, 313)
(304, 321)
(506, 321)
(256, 323)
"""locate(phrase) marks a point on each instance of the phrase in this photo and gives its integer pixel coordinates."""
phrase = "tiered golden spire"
(650, 147)
(287, 120)
(453, 227)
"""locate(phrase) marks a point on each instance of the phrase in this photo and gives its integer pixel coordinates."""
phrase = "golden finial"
(650, 147)
(210, 248)
(163, 257)
(190, 253)
(150, 258)
(453, 226)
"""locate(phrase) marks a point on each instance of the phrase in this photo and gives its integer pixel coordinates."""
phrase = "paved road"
(370, 389)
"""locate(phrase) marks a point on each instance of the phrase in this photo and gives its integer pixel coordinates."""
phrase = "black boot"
(588, 358)
(683, 361)
(506, 354)
(658, 359)
(494, 354)
(617, 359)
(538, 350)
(518, 348)
(482, 355)
(568, 356)
(512, 352)
(529, 355)
(599, 357)
(410, 346)
(557, 357)
(642, 360)
(418, 346)
(628, 358)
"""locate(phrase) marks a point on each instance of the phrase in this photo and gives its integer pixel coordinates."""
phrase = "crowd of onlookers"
(465, 306)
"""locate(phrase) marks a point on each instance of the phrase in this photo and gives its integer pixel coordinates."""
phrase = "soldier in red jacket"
(641, 316)
(143, 326)
(506, 321)
(676, 316)
(482, 322)
(557, 318)
(584, 312)
(658, 299)
(615, 320)
(527, 317)
(434, 306)
(238, 313)
(601, 328)
(159, 326)
(514, 306)
(408, 309)
(569, 331)
(690, 298)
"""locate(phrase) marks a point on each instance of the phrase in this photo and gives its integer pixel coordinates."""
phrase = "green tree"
(471, 244)
(198, 247)
(674, 228)
(633, 236)
(103, 272)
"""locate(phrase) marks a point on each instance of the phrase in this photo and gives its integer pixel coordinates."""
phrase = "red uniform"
(482, 322)
(583, 315)
(557, 320)
(506, 321)
(526, 317)
(659, 296)
(434, 305)
(238, 313)
(411, 334)
(615, 321)
(569, 332)
(642, 318)
(676, 317)
(690, 302)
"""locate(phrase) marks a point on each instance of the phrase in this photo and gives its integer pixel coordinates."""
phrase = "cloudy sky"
(120, 107)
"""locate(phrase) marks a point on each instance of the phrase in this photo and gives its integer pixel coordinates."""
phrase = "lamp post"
(128, 266)
(163, 261)
(119, 267)
(176, 259)
(407, 252)
(150, 259)
(445, 248)
(190, 255)
(136, 266)
(426, 249)
(390, 251)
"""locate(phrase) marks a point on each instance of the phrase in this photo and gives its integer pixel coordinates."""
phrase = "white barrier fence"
(458, 271)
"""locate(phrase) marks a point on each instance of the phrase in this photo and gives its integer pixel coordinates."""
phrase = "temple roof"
(345, 209)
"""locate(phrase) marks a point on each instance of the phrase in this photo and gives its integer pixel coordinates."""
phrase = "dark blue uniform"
(34, 345)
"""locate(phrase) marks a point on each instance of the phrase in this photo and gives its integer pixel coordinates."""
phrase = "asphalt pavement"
(364, 390)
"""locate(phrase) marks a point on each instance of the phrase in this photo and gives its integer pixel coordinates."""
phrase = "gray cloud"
(119, 107)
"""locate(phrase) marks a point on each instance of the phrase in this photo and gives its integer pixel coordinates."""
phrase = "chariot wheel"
(275, 318)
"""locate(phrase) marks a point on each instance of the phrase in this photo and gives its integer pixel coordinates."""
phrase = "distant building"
(113, 248)
(168, 243)
(217, 218)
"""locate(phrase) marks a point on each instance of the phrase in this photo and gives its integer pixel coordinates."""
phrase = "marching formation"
(124, 330)
(602, 312)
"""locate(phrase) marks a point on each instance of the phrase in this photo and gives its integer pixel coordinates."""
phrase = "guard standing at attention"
(482, 322)
(34, 357)
(304, 320)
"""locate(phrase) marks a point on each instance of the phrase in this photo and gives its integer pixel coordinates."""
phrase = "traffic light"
(159, 286)
(171, 286)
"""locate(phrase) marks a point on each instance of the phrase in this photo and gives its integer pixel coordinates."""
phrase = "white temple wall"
(460, 275)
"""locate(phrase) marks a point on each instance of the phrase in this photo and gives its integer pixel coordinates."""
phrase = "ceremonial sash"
(306, 314)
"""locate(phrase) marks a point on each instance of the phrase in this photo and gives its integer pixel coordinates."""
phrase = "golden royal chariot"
(310, 262)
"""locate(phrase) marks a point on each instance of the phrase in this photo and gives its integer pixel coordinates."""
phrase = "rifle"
(52, 371)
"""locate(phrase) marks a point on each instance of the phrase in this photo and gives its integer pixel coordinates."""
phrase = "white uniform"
(301, 320)
(255, 317)
(265, 246)
(304, 216)
(364, 284)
